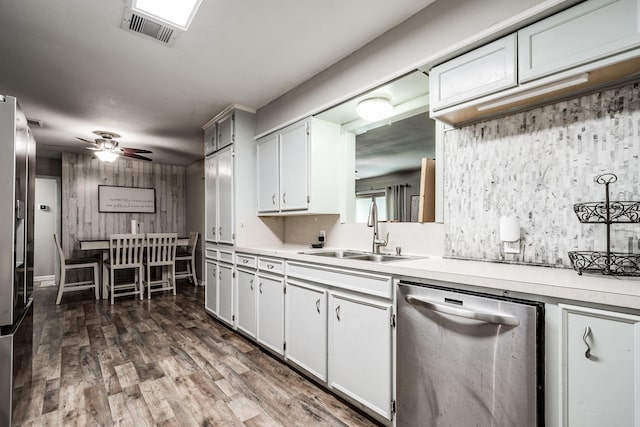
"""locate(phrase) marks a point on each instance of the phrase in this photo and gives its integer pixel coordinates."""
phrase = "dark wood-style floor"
(161, 362)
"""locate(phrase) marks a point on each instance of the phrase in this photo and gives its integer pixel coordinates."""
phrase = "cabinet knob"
(245, 261)
(270, 266)
(587, 333)
(338, 313)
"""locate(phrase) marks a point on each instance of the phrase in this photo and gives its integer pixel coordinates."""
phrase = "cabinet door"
(246, 320)
(225, 293)
(294, 167)
(210, 291)
(225, 131)
(360, 351)
(482, 71)
(210, 136)
(584, 33)
(211, 197)
(600, 388)
(306, 328)
(271, 312)
(225, 196)
(268, 178)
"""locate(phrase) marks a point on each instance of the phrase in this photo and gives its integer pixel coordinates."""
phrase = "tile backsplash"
(535, 165)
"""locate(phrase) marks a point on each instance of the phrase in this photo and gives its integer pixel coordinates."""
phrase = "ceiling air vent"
(147, 26)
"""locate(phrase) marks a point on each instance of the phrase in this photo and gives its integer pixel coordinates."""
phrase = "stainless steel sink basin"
(358, 255)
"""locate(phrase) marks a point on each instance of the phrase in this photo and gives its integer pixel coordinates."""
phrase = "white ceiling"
(71, 65)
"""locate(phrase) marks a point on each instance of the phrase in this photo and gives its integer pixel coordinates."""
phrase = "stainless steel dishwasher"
(468, 359)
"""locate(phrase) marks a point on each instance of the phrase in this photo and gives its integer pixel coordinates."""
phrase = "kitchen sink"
(358, 255)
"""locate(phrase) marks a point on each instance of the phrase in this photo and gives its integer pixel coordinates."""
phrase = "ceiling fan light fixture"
(106, 156)
(372, 109)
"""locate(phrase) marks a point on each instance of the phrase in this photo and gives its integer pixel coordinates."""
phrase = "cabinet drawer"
(584, 33)
(271, 265)
(244, 260)
(225, 255)
(359, 281)
(481, 72)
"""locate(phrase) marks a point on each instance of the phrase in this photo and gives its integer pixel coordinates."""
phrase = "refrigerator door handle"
(484, 316)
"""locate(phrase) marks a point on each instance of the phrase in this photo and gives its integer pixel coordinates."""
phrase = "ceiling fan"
(107, 148)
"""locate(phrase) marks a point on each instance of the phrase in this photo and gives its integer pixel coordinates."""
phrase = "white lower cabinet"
(306, 327)
(270, 331)
(210, 291)
(600, 367)
(225, 293)
(360, 351)
(246, 320)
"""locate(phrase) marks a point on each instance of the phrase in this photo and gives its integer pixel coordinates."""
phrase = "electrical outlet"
(512, 247)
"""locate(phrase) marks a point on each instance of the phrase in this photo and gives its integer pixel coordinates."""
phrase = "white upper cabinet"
(586, 47)
(268, 179)
(600, 368)
(295, 169)
(211, 198)
(588, 32)
(210, 138)
(219, 217)
(480, 72)
(226, 129)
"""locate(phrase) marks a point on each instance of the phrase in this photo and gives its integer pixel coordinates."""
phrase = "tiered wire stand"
(607, 212)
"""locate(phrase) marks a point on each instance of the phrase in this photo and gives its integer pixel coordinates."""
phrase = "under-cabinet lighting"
(374, 108)
(562, 84)
(106, 156)
(179, 13)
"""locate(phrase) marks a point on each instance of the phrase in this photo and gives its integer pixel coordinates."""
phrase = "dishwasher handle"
(484, 316)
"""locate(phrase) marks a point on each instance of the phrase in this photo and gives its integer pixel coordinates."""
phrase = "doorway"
(46, 223)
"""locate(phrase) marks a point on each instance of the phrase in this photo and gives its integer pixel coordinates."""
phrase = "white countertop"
(562, 284)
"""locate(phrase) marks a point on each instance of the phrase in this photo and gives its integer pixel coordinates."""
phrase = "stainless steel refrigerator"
(17, 185)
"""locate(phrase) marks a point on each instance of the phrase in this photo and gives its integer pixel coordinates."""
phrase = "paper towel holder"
(510, 234)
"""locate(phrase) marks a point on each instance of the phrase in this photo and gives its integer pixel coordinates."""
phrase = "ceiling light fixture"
(106, 155)
(377, 108)
(177, 13)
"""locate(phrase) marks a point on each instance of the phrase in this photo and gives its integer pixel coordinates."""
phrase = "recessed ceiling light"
(374, 108)
(179, 13)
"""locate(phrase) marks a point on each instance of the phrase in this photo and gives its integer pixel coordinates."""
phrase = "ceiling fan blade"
(135, 156)
(135, 150)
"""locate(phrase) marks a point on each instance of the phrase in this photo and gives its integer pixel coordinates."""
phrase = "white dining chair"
(68, 264)
(161, 252)
(187, 256)
(125, 253)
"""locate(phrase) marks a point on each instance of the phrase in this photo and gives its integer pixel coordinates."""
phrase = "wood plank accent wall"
(81, 176)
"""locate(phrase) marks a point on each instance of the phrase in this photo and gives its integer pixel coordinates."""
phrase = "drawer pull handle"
(245, 261)
(338, 313)
(587, 333)
(270, 266)
(318, 305)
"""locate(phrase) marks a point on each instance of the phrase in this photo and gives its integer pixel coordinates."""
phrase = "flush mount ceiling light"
(106, 156)
(178, 13)
(376, 108)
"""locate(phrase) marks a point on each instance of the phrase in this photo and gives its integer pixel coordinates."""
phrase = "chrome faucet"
(372, 221)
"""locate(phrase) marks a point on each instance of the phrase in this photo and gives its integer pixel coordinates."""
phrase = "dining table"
(102, 244)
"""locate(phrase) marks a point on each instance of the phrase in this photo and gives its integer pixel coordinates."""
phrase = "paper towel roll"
(134, 226)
